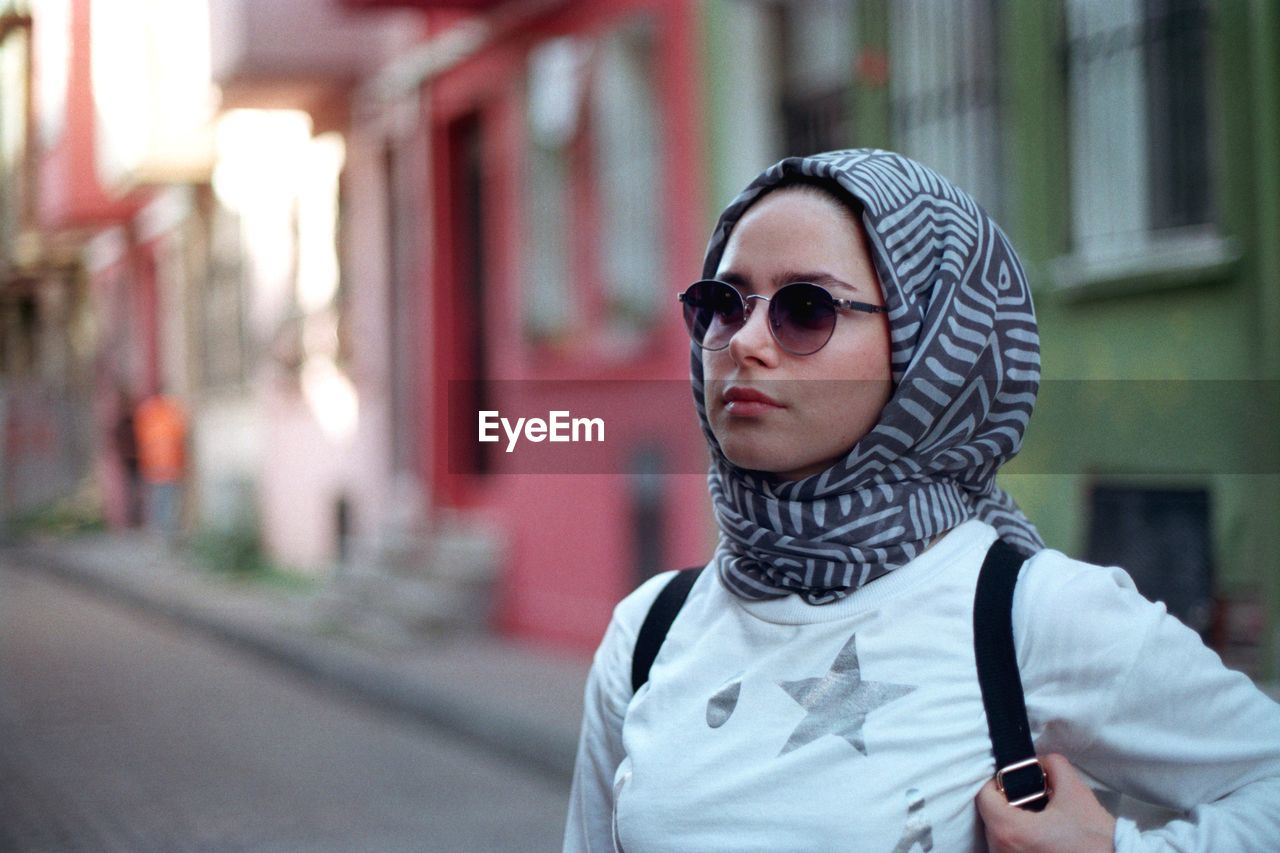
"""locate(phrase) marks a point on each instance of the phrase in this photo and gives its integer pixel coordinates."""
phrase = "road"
(119, 732)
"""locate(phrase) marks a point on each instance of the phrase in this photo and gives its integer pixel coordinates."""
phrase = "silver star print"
(838, 702)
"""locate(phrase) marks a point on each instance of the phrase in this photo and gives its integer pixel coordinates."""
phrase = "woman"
(865, 357)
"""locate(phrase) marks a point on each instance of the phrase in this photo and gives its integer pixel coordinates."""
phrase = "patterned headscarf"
(965, 361)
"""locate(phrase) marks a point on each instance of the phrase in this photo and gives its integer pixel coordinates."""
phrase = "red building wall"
(571, 537)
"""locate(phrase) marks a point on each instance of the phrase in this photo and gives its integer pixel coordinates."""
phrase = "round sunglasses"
(802, 315)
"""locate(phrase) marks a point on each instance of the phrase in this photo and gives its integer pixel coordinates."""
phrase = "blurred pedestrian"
(865, 357)
(160, 425)
(125, 441)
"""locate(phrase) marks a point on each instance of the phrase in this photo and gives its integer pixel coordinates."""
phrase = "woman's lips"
(749, 408)
(748, 402)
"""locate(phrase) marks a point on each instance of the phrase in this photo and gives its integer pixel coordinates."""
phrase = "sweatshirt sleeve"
(589, 826)
(1135, 699)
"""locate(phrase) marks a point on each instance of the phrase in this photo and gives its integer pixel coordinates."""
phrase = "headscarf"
(965, 359)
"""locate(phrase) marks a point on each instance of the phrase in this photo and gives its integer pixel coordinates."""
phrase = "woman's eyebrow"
(737, 279)
(827, 280)
(823, 278)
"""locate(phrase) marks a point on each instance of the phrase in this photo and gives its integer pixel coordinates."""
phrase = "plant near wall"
(237, 554)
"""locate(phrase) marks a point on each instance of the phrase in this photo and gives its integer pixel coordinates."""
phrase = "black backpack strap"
(662, 613)
(1019, 775)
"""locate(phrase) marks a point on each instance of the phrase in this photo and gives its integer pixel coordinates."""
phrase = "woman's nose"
(754, 340)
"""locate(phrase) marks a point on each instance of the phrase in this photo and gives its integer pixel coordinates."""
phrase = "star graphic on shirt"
(838, 702)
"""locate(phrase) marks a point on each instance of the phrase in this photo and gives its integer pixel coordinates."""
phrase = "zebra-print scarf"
(965, 365)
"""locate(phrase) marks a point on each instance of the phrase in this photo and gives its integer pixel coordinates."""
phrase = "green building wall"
(1163, 379)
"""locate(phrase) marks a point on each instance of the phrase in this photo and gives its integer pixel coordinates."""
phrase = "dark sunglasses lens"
(712, 313)
(803, 317)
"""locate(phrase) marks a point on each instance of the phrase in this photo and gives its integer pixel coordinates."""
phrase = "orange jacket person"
(161, 428)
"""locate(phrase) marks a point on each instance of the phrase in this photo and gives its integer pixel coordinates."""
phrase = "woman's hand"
(1073, 822)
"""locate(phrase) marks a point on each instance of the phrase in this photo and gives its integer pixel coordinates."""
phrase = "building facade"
(489, 206)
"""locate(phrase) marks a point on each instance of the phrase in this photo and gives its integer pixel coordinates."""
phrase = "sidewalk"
(521, 702)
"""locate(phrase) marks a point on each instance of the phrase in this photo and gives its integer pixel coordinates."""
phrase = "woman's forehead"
(796, 197)
(793, 237)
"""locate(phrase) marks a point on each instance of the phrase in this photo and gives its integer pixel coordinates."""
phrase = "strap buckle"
(1044, 791)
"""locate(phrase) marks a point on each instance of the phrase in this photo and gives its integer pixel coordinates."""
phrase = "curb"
(520, 738)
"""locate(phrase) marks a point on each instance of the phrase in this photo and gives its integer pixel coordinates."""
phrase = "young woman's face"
(821, 404)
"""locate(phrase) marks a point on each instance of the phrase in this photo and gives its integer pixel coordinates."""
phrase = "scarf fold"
(965, 358)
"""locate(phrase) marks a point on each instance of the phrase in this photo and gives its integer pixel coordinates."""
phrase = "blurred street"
(121, 730)
(267, 270)
(263, 287)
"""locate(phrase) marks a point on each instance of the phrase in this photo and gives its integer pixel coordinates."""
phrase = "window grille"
(944, 91)
(1136, 80)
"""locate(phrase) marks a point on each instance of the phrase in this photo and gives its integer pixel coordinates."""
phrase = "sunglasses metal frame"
(836, 302)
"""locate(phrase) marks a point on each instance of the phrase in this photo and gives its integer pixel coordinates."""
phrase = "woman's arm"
(1134, 698)
(608, 692)
(590, 823)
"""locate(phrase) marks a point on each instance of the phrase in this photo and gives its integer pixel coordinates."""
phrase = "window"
(592, 167)
(1161, 538)
(1136, 79)
(944, 92)
(624, 116)
(554, 106)
(223, 359)
(817, 49)
(15, 172)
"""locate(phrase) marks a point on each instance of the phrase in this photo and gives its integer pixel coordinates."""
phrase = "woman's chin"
(772, 465)
(775, 466)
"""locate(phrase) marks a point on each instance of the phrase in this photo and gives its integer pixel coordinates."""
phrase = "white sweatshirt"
(776, 725)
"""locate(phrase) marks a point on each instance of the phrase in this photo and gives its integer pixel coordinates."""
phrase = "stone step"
(417, 584)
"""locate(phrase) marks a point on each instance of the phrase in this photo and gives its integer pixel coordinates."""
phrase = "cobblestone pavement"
(119, 732)
(514, 698)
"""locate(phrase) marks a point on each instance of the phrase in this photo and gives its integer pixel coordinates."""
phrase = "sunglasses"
(802, 315)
